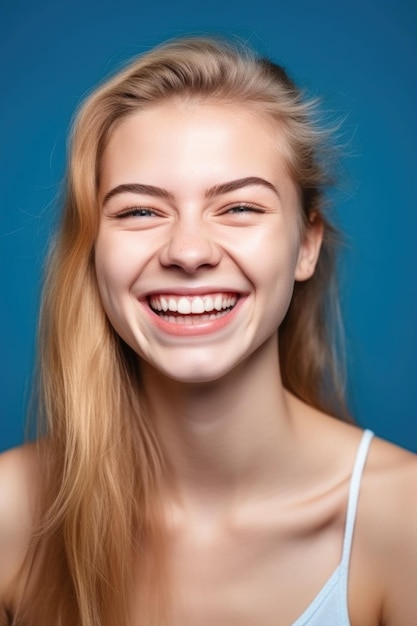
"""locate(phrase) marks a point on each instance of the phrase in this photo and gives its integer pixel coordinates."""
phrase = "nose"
(190, 248)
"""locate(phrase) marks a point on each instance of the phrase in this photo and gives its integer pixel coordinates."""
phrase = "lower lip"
(196, 327)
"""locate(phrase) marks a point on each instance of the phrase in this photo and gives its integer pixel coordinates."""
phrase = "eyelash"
(237, 208)
(137, 212)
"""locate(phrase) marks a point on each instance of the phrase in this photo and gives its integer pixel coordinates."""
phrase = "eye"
(241, 208)
(137, 212)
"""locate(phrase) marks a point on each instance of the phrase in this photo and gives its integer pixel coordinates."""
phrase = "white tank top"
(330, 606)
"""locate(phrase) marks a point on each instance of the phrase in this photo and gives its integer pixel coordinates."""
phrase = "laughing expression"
(199, 242)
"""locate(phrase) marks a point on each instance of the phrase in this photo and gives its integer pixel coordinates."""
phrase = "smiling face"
(199, 240)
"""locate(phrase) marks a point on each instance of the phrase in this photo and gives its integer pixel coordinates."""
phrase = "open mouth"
(190, 310)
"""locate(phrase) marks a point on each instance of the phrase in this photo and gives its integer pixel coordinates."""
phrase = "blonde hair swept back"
(103, 467)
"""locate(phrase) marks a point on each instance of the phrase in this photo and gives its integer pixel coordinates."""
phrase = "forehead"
(194, 140)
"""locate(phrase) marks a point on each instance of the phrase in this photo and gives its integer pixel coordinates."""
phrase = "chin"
(197, 377)
(197, 374)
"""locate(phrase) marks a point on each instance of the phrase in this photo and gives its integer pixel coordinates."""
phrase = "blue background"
(359, 55)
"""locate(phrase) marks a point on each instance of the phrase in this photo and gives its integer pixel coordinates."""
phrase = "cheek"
(112, 272)
(113, 285)
(276, 270)
(275, 261)
(116, 256)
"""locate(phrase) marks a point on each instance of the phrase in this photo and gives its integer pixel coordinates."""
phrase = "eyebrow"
(216, 190)
(138, 188)
(233, 185)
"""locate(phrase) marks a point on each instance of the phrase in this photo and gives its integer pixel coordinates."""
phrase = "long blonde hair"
(101, 458)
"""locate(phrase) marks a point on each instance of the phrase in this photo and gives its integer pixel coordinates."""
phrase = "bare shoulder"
(383, 569)
(19, 486)
(388, 523)
(391, 479)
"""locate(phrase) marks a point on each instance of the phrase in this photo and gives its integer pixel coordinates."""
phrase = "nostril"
(190, 255)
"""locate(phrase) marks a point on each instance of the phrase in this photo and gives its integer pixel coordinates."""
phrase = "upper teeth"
(192, 304)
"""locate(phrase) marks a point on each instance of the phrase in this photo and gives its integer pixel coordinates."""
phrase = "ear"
(309, 251)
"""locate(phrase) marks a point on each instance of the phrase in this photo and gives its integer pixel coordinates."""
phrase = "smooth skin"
(258, 481)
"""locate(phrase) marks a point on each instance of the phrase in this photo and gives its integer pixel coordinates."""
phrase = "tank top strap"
(354, 490)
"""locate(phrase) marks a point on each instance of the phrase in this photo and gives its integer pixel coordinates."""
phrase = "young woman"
(190, 470)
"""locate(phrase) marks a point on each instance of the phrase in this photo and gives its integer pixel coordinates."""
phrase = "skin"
(257, 481)
(192, 244)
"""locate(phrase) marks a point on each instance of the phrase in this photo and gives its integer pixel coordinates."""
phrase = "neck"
(225, 438)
